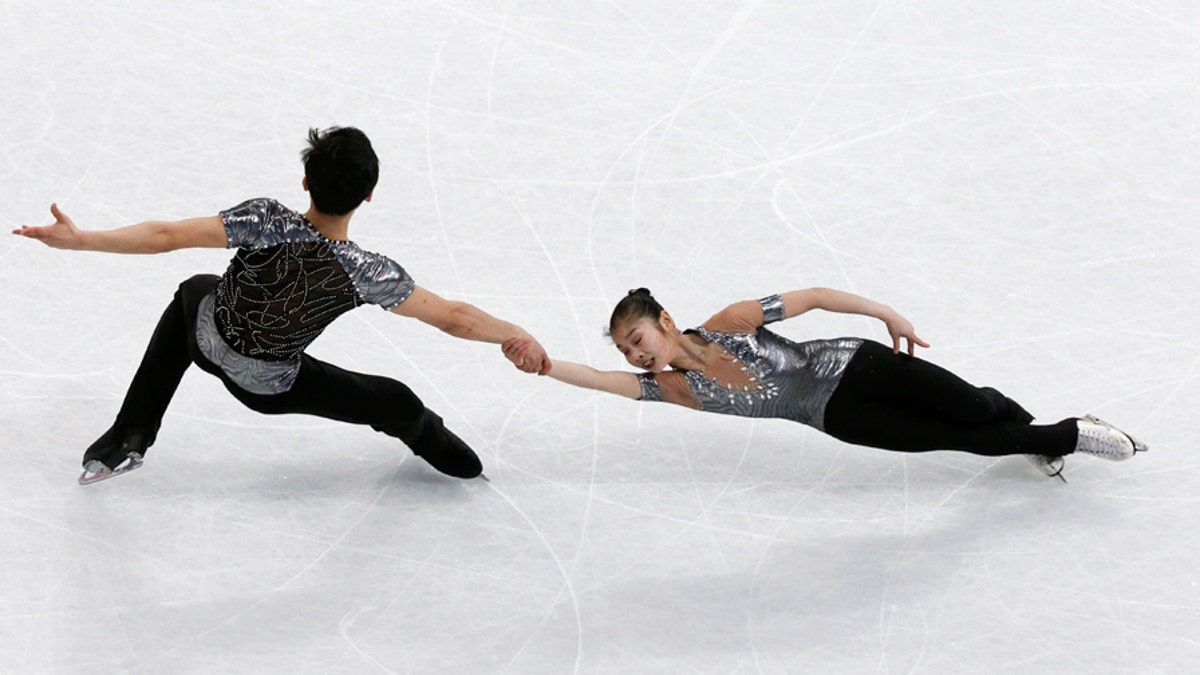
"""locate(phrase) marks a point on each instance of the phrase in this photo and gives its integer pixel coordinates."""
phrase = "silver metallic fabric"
(265, 223)
(796, 378)
(772, 307)
(254, 375)
(283, 287)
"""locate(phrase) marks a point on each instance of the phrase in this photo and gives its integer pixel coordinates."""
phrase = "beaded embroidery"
(284, 286)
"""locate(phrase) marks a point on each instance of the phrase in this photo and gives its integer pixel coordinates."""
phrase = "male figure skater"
(292, 275)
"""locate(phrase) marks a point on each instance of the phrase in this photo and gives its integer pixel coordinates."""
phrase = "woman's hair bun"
(637, 304)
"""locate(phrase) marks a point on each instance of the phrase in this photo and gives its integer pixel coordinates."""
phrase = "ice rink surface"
(1018, 178)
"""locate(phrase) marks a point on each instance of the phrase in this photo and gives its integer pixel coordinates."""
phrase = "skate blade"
(89, 477)
(1138, 446)
(1050, 467)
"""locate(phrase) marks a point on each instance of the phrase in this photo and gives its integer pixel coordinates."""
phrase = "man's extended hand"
(62, 233)
(527, 355)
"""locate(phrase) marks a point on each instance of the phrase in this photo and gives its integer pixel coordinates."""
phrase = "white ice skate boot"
(1103, 441)
(1051, 466)
(1138, 446)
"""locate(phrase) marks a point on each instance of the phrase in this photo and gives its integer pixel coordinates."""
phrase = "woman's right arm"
(611, 381)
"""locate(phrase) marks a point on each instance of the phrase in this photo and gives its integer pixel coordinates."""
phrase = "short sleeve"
(669, 386)
(650, 388)
(772, 308)
(245, 223)
(378, 279)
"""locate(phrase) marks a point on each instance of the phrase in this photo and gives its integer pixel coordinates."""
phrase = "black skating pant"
(320, 389)
(897, 402)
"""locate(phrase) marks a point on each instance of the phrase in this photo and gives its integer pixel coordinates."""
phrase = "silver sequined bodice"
(794, 380)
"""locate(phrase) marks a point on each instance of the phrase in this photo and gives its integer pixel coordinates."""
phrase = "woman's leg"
(890, 427)
(921, 386)
(897, 402)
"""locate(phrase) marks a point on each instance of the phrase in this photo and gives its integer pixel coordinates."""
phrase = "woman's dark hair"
(637, 304)
(341, 168)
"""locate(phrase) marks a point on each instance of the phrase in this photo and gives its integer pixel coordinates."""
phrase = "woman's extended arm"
(799, 302)
(611, 381)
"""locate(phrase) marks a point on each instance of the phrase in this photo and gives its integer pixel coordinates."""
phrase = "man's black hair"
(341, 168)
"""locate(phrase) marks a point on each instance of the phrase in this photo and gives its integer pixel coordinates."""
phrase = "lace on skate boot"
(1051, 466)
(1103, 441)
(95, 471)
(1138, 446)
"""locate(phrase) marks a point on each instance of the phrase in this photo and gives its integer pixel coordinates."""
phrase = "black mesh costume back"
(273, 302)
(283, 287)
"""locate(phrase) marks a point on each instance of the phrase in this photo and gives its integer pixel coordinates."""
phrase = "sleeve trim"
(772, 307)
(650, 389)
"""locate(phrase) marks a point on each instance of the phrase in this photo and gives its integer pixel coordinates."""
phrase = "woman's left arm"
(799, 302)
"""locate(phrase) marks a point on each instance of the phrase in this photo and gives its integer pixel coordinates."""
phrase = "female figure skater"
(853, 389)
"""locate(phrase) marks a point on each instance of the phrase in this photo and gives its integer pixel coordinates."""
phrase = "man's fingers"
(527, 355)
(513, 347)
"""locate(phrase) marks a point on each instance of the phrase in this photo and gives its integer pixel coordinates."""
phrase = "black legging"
(320, 388)
(897, 402)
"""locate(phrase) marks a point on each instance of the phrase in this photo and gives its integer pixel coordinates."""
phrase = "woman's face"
(644, 343)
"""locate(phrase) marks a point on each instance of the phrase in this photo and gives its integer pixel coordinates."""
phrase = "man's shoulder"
(262, 207)
(360, 260)
(379, 279)
(263, 221)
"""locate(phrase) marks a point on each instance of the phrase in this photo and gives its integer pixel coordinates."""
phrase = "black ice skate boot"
(445, 451)
(115, 453)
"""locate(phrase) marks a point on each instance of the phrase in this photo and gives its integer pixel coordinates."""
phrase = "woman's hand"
(900, 329)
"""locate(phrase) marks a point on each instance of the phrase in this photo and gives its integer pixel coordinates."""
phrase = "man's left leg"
(388, 406)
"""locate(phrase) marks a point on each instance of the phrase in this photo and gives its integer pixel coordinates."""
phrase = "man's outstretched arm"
(147, 237)
(466, 321)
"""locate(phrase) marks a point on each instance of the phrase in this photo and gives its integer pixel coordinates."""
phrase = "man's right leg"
(162, 367)
(388, 406)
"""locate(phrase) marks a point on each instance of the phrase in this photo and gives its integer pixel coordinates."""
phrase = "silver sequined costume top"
(791, 380)
(284, 286)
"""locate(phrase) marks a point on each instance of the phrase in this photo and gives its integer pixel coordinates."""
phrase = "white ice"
(1019, 178)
